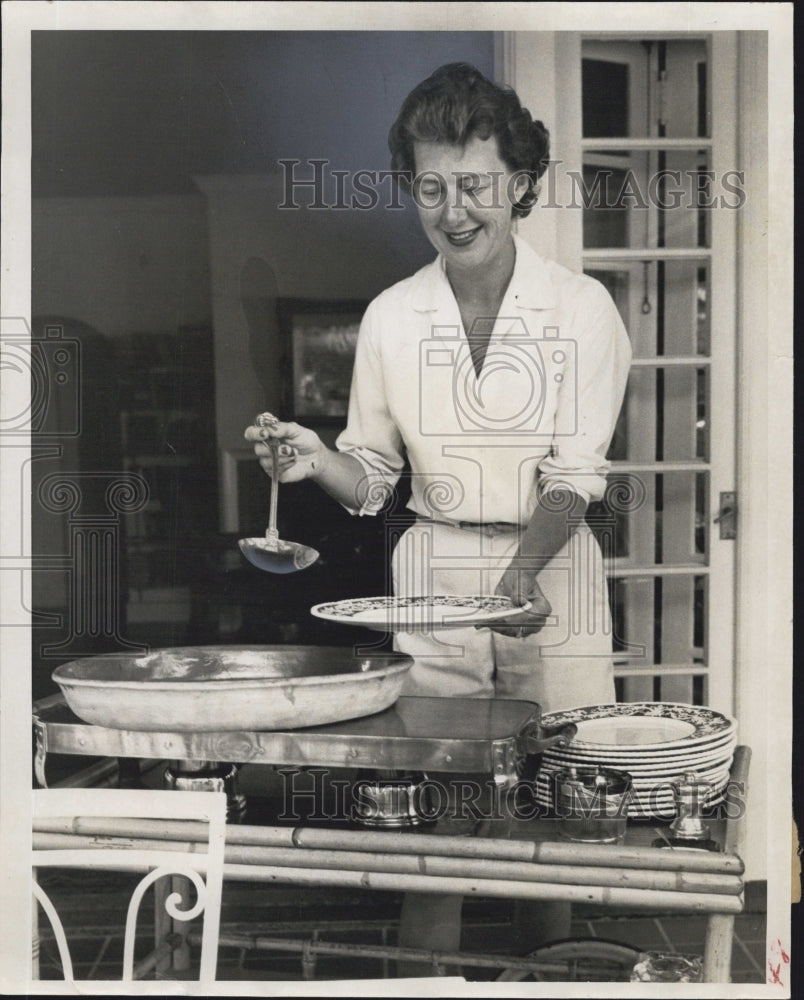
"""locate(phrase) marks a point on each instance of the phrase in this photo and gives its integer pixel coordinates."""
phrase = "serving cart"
(512, 854)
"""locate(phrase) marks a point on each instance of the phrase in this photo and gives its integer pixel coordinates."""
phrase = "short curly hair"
(457, 103)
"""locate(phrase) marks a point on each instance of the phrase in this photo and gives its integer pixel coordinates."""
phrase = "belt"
(487, 527)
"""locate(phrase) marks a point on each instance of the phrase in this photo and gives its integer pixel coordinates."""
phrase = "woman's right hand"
(300, 451)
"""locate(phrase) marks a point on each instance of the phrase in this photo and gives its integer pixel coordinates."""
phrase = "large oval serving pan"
(225, 688)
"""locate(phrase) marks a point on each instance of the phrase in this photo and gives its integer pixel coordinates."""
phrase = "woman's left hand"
(522, 588)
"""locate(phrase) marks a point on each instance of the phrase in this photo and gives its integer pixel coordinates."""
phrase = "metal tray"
(225, 688)
(455, 735)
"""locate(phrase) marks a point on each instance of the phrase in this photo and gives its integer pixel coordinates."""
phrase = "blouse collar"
(531, 286)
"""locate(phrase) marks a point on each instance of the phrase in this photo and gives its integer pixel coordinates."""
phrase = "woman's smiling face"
(464, 195)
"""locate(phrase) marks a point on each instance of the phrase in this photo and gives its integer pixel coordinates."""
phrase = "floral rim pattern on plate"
(358, 605)
(706, 721)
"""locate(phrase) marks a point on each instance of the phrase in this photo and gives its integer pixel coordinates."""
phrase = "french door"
(644, 146)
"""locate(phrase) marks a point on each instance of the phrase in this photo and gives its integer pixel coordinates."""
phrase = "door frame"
(539, 65)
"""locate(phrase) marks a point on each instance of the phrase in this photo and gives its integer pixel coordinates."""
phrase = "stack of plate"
(657, 743)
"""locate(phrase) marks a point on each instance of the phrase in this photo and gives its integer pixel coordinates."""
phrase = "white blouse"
(482, 449)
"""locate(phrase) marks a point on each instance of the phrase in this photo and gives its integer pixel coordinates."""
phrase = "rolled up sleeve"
(371, 435)
(589, 398)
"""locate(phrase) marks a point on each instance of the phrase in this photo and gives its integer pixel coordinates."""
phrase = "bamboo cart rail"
(262, 859)
(370, 841)
(467, 876)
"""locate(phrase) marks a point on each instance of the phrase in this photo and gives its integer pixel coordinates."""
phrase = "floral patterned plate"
(417, 614)
(654, 755)
(649, 726)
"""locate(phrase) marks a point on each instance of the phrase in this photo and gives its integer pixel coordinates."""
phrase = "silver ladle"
(271, 553)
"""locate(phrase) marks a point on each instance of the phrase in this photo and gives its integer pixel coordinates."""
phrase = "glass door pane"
(644, 193)
(630, 88)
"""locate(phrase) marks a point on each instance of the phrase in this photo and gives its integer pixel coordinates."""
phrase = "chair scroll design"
(58, 930)
(59, 812)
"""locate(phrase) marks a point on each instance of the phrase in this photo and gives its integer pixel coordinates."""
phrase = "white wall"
(313, 254)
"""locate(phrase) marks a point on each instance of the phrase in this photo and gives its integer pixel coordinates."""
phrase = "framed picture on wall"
(319, 338)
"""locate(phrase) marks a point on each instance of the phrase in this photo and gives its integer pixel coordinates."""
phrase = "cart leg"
(717, 948)
(432, 922)
(533, 922)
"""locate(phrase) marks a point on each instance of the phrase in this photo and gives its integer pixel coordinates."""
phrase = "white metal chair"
(63, 818)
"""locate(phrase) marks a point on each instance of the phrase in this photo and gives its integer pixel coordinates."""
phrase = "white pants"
(567, 664)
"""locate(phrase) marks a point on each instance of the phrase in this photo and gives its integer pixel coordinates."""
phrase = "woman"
(499, 375)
